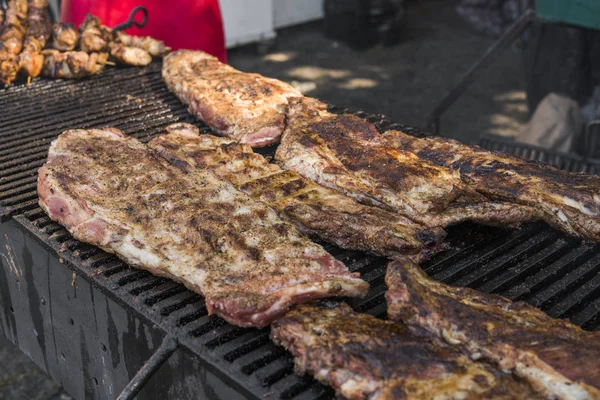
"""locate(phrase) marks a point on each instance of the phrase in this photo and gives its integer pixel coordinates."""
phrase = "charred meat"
(558, 358)
(11, 39)
(72, 64)
(321, 212)
(249, 108)
(568, 201)
(345, 153)
(363, 357)
(94, 37)
(31, 59)
(251, 266)
(64, 37)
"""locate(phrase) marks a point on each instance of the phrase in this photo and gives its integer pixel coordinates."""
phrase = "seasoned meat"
(31, 59)
(114, 192)
(64, 37)
(94, 37)
(11, 39)
(246, 107)
(72, 64)
(558, 358)
(129, 55)
(318, 211)
(154, 47)
(568, 201)
(344, 152)
(363, 357)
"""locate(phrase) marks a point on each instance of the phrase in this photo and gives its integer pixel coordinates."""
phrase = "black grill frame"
(535, 263)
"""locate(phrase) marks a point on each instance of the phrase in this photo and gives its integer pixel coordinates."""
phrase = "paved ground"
(403, 82)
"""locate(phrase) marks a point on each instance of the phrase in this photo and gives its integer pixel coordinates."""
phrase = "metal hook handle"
(131, 21)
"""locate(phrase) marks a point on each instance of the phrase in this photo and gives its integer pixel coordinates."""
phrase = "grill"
(94, 324)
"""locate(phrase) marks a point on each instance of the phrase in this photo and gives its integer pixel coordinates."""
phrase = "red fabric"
(189, 24)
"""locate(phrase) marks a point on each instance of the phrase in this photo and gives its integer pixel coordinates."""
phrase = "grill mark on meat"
(251, 266)
(363, 357)
(568, 201)
(558, 358)
(345, 153)
(319, 211)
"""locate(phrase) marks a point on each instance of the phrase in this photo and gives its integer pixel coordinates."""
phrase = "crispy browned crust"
(558, 358)
(249, 108)
(345, 153)
(569, 201)
(318, 211)
(363, 357)
(114, 192)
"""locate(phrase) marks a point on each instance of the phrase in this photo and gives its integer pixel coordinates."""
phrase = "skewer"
(109, 63)
(28, 80)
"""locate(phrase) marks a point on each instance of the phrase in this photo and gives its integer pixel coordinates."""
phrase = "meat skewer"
(93, 38)
(363, 357)
(558, 358)
(31, 59)
(154, 47)
(72, 64)
(11, 40)
(114, 192)
(321, 212)
(64, 37)
(129, 55)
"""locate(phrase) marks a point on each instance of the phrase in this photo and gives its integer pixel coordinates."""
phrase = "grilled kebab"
(114, 192)
(31, 59)
(249, 108)
(363, 357)
(11, 39)
(318, 211)
(64, 37)
(568, 201)
(558, 358)
(72, 64)
(345, 153)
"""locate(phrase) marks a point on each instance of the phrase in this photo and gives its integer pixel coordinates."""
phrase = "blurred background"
(400, 58)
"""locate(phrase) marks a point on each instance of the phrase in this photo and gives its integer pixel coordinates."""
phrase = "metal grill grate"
(537, 264)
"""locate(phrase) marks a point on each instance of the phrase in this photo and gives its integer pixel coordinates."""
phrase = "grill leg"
(509, 36)
(162, 354)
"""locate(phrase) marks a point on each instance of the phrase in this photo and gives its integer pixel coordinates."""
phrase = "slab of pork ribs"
(247, 107)
(559, 359)
(569, 201)
(321, 212)
(363, 357)
(114, 192)
(344, 152)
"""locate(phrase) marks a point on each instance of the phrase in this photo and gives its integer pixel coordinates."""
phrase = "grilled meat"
(94, 38)
(568, 201)
(129, 55)
(72, 64)
(249, 108)
(114, 192)
(64, 37)
(11, 40)
(155, 47)
(344, 152)
(318, 211)
(1, 16)
(31, 59)
(557, 358)
(363, 357)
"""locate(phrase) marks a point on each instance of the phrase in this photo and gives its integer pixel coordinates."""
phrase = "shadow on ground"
(404, 81)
